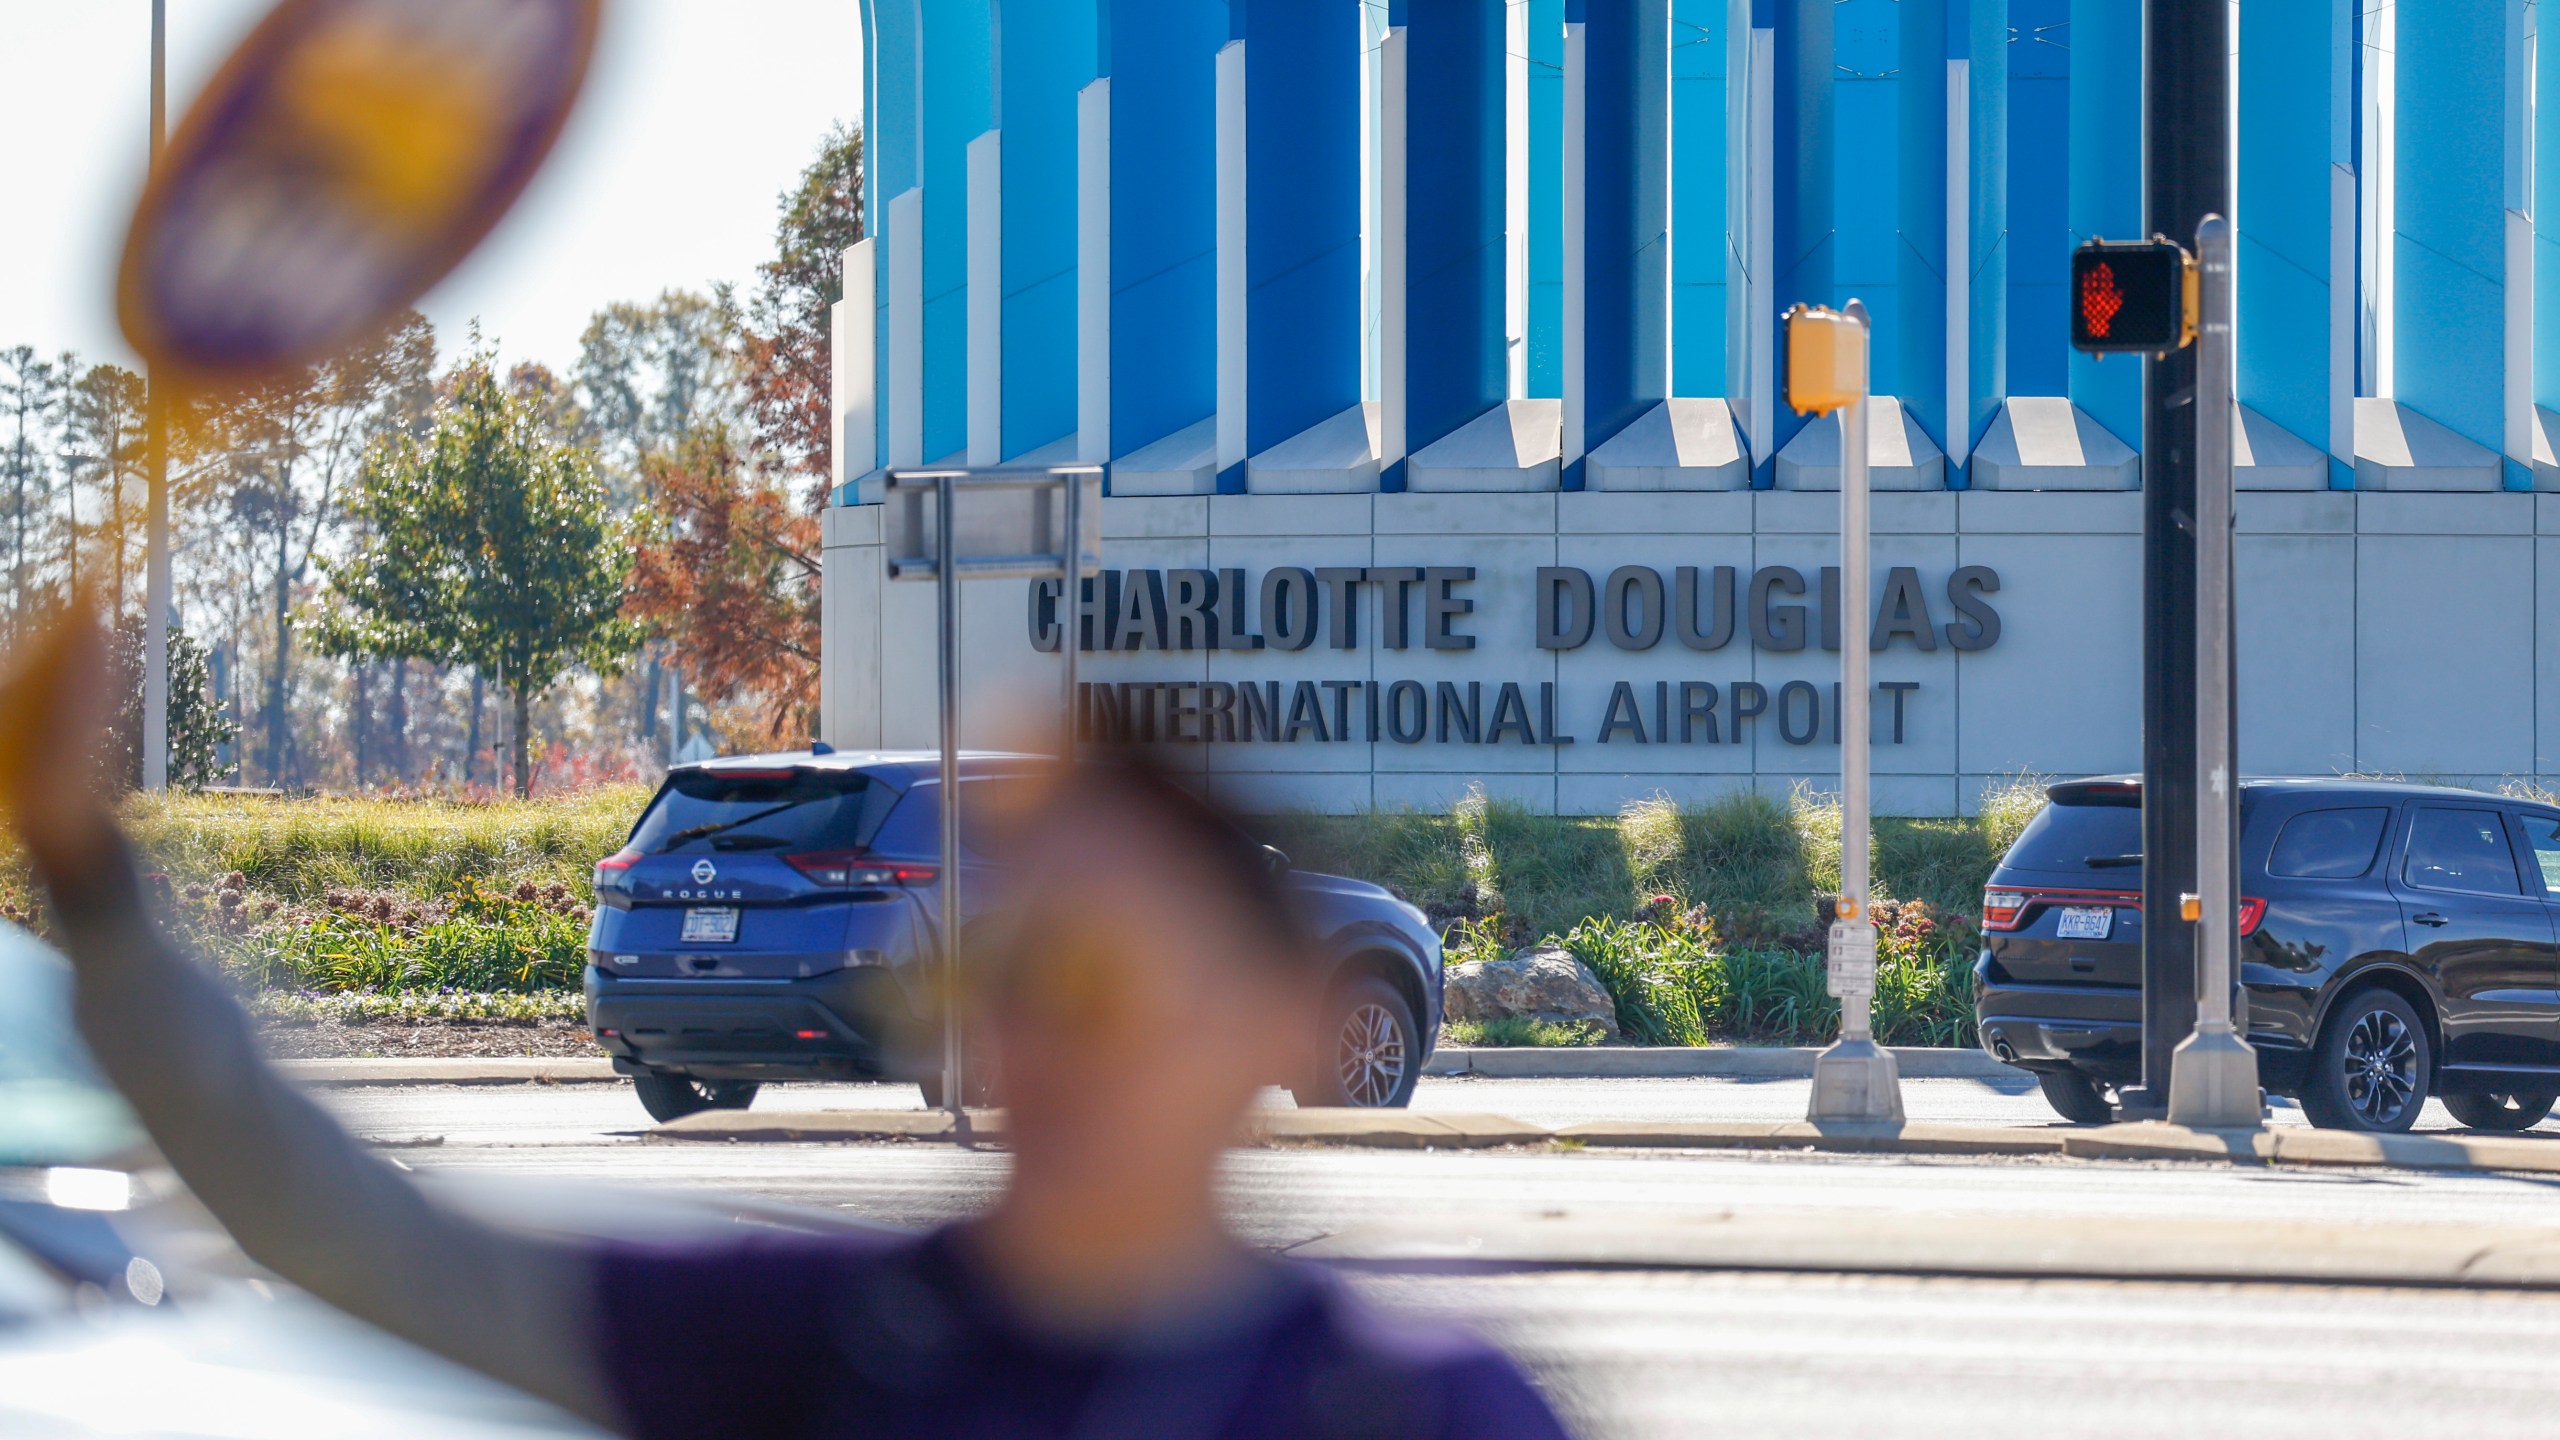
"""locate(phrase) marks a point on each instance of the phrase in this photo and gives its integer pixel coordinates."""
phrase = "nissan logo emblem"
(704, 872)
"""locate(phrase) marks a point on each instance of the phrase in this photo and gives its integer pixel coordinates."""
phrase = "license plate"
(2085, 922)
(711, 925)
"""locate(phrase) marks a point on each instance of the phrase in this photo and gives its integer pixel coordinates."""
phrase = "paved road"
(1665, 1353)
(554, 1114)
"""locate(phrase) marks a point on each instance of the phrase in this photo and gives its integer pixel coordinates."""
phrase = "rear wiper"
(2106, 862)
(750, 842)
(715, 827)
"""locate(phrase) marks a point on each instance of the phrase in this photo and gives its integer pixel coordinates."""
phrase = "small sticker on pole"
(346, 157)
(1850, 959)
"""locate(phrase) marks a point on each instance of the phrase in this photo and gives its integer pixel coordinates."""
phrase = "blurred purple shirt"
(835, 1337)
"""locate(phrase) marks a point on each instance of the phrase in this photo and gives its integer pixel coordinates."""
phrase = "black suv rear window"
(798, 810)
(2098, 839)
(2328, 844)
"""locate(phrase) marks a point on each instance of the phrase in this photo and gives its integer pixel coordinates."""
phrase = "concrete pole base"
(1856, 1080)
(2213, 1082)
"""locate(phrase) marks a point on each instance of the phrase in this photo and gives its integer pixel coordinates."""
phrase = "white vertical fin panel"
(1393, 173)
(2518, 400)
(2342, 314)
(854, 366)
(1093, 273)
(1762, 402)
(986, 299)
(1959, 315)
(1231, 291)
(906, 327)
(1574, 260)
(1515, 196)
(2380, 103)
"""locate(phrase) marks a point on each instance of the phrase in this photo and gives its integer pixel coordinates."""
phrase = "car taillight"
(852, 869)
(2252, 910)
(2001, 909)
(610, 871)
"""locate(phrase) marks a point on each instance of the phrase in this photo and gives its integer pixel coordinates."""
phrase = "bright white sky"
(698, 114)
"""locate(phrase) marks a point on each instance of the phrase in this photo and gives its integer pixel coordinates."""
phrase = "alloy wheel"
(2381, 1062)
(1373, 1056)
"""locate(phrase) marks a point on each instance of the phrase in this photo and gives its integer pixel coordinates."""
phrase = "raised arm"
(300, 1195)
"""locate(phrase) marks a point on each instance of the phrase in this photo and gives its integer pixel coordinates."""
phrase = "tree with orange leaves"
(728, 572)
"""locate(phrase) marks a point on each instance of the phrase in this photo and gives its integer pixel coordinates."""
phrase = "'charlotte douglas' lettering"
(1292, 608)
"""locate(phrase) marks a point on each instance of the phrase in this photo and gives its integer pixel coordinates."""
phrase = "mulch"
(405, 1040)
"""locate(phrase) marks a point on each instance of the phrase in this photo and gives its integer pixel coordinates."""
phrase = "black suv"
(2397, 942)
(775, 917)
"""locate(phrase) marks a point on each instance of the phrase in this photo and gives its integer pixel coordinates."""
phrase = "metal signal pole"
(2186, 55)
(155, 584)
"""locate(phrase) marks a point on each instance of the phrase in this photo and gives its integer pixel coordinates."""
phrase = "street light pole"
(2213, 1074)
(1855, 1080)
(155, 584)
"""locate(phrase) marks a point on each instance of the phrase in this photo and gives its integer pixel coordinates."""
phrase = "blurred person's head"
(1149, 976)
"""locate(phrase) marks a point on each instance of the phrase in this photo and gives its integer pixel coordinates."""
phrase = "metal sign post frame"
(1031, 555)
(2213, 1074)
(1855, 1080)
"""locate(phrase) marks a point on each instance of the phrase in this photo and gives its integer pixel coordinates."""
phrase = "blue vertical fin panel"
(1627, 230)
(892, 162)
(1161, 56)
(1302, 213)
(1802, 168)
(1981, 36)
(2283, 216)
(1044, 56)
(1456, 361)
(2039, 168)
(1697, 197)
(2448, 250)
(1916, 341)
(956, 96)
(2106, 184)
(1546, 198)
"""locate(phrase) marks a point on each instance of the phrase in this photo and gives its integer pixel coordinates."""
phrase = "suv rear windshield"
(2099, 840)
(708, 811)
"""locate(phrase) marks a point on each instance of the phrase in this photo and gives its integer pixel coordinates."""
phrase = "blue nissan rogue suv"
(2397, 942)
(776, 917)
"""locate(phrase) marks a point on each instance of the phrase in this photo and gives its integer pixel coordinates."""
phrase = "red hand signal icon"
(2099, 300)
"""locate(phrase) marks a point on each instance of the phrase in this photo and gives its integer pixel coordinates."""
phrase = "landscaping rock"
(1540, 983)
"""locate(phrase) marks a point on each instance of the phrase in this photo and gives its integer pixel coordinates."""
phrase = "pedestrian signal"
(1826, 360)
(2135, 297)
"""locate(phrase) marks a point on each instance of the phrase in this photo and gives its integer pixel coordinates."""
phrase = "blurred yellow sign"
(347, 156)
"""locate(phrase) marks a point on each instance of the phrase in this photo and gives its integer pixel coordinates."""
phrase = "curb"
(1733, 1062)
(1851, 1139)
(1464, 1130)
(1358, 1129)
(2017, 1246)
(523, 1070)
(2153, 1140)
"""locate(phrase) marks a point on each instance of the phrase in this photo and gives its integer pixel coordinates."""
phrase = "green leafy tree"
(198, 730)
(484, 542)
